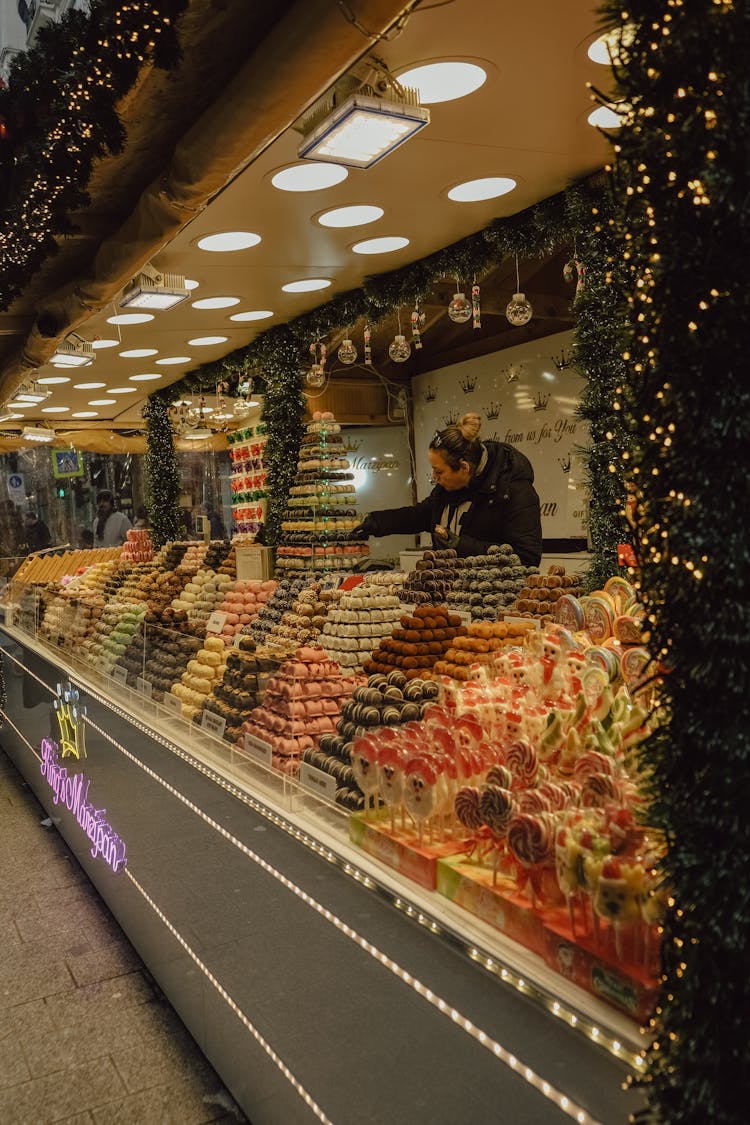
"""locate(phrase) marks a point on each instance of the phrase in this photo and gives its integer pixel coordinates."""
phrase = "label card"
(320, 783)
(216, 622)
(144, 687)
(172, 703)
(464, 614)
(258, 749)
(213, 724)
(120, 674)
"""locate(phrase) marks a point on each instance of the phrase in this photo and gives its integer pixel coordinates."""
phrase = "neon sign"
(72, 790)
(71, 717)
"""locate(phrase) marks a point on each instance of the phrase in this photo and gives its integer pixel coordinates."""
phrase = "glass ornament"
(400, 349)
(316, 376)
(459, 310)
(519, 310)
(347, 353)
(241, 408)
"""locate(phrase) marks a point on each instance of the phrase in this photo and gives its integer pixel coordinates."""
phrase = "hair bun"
(470, 425)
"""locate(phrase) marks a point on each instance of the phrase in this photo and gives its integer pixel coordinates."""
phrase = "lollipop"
(421, 790)
(531, 840)
(533, 801)
(499, 775)
(467, 803)
(521, 759)
(598, 790)
(391, 761)
(496, 805)
(364, 757)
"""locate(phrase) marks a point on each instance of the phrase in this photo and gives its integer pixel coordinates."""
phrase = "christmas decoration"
(368, 345)
(162, 472)
(682, 238)
(400, 349)
(459, 310)
(417, 321)
(347, 353)
(476, 308)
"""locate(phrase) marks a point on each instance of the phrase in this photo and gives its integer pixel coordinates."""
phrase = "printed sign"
(16, 488)
(144, 687)
(214, 724)
(216, 622)
(172, 703)
(317, 782)
(120, 674)
(257, 749)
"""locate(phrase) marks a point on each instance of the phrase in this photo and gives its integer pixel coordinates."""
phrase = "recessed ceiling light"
(608, 45)
(121, 390)
(21, 405)
(604, 118)
(170, 359)
(489, 187)
(204, 341)
(257, 314)
(88, 386)
(191, 284)
(309, 177)
(354, 216)
(51, 380)
(102, 401)
(85, 414)
(144, 378)
(216, 302)
(105, 343)
(229, 240)
(308, 285)
(443, 81)
(380, 245)
(130, 318)
(138, 353)
(55, 409)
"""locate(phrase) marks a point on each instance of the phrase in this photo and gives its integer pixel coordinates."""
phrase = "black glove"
(443, 538)
(364, 530)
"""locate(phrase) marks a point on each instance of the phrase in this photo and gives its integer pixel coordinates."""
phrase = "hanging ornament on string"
(459, 310)
(518, 310)
(316, 376)
(400, 348)
(574, 270)
(417, 322)
(476, 308)
(347, 353)
(368, 346)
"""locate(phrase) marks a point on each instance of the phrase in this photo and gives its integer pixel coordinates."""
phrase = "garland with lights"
(681, 158)
(162, 471)
(59, 114)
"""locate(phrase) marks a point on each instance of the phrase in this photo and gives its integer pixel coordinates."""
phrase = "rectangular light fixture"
(37, 433)
(362, 130)
(152, 290)
(73, 353)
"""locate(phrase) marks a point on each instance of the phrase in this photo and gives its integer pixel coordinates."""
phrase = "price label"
(257, 749)
(144, 687)
(120, 674)
(216, 622)
(172, 703)
(464, 614)
(317, 782)
(213, 724)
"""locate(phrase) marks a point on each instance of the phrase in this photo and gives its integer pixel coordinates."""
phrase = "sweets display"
(476, 649)
(542, 593)
(241, 604)
(358, 622)
(241, 688)
(417, 644)
(248, 480)
(432, 578)
(202, 672)
(488, 585)
(302, 622)
(138, 546)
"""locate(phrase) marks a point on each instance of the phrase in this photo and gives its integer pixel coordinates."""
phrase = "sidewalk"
(86, 1038)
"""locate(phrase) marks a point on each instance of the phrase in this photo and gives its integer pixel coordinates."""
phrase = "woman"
(110, 527)
(484, 493)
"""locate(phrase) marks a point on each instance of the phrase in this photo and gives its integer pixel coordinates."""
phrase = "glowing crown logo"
(351, 446)
(540, 401)
(469, 384)
(493, 411)
(71, 717)
(429, 394)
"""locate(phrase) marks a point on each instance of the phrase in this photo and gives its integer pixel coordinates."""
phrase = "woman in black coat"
(484, 493)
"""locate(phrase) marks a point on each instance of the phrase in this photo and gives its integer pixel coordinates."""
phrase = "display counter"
(321, 983)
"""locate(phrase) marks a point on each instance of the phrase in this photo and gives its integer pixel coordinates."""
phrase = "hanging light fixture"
(518, 310)
(73, 351)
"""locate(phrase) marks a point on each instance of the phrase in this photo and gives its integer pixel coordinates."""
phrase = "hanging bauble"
(347, 353)
(241, 408)
(519, 310)
(459, 310)
(316, 376)
(400, 349)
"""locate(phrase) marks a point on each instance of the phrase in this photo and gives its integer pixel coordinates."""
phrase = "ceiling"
(528, 122)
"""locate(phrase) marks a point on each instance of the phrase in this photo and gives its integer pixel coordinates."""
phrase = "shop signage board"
(317, 782)
(16, 488)
(120, 674)
(259, 750)
(254, 563)
(144, 687)
(213, 724)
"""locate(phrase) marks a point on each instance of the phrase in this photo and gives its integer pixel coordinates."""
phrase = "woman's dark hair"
(104, 494)
(460, 442)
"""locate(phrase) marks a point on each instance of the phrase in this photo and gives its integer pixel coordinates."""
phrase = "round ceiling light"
(144, 378)
(307, 285)
(102, 401)
(443, 81)
(51, 380)
(171, 359)
(88, 386)
(604, 118)
(228, 240)
(130, 318)
(85, 414)
(311, 176)
(55, 409)
(205, 341)
(216, 302)
(489, 187)
(105, 343)
(384, 245)
(121, 390)
(354, 216)
(256, 314)
(138, 353)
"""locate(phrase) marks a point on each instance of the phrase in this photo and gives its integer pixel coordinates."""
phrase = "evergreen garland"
(60, 112)
(162, 471)
(685, 236)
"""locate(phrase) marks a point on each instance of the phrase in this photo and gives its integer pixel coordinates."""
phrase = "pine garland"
(685, 236)
(162, 471)
(60, 107)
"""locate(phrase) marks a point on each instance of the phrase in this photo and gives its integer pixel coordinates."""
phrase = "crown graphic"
(71, 718)
(351, 446)
(540, 401)
(562, 361)
(493, 411)
(512, 372)
(451, 418)
(468, 384)
(564, 463)
(430, 394)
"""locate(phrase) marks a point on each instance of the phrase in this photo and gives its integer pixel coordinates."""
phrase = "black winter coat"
(504, 509)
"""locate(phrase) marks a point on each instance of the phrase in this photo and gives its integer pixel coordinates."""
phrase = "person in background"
(141, 518)
(110, 527)
(37, 533)
(484, 493)
(215, 520)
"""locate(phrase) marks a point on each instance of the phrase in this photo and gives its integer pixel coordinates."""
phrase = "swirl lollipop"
(499, 775)
(531, 840)
(598, 790)
(497, 806)
(522, 761)
(468, 808)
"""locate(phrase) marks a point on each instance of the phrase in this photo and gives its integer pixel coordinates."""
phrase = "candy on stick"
(531, 841)
(497, 806)
(391, 761)
(523, 763)
(364, 760)
(422, 795)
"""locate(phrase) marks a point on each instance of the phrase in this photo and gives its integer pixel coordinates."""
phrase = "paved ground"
(86, 1038)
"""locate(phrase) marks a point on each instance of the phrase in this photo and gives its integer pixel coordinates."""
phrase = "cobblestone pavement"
(86, 1037)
